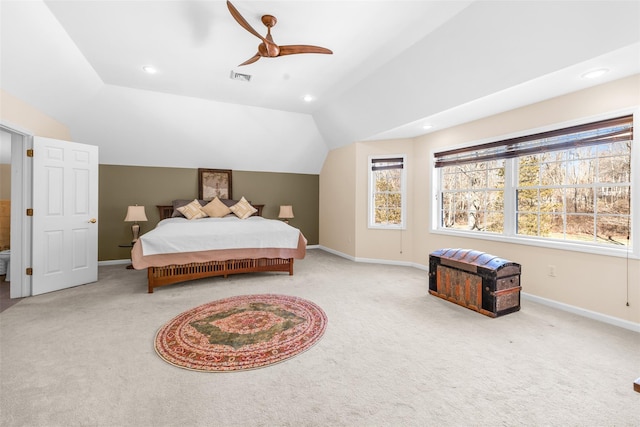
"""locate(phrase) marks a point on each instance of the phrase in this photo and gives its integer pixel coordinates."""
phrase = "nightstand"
(128, 245)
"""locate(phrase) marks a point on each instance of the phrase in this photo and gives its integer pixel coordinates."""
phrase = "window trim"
(509, 236)
(370, 204)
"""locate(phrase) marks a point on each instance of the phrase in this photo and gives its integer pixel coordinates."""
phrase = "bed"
(181, 249)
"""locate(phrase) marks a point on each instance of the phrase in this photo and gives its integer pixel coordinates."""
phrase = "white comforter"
(182, 235)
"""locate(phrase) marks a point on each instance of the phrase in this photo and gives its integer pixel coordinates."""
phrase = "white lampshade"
(135, 213)
(286, 212)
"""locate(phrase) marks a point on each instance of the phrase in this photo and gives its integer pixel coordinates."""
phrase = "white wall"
(5, 148)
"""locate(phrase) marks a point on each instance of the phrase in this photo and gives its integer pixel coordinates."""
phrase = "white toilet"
(5, 264)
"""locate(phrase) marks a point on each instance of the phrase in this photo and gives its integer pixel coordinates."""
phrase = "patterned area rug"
(242, 332)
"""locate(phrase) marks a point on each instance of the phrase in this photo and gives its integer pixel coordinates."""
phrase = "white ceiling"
(196, 44)
(396, 65)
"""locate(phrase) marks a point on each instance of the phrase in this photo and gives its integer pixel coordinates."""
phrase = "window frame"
(511, 182)
(371, 224)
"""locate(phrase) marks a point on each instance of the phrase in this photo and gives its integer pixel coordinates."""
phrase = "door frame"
(21, 198)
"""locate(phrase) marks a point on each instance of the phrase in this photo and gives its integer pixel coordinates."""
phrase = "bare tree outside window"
(570, 184)
(590, 201)
(473, 196)
(386, 183)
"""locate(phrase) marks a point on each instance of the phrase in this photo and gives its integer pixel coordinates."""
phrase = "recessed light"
(594, 74)
(149, 69)
(427, 126)
(308, 98)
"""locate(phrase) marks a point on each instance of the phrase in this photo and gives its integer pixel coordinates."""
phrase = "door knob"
(92, 220)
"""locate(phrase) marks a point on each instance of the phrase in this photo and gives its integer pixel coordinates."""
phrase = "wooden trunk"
(479, 281)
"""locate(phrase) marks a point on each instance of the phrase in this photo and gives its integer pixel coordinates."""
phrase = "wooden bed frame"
(169, 274)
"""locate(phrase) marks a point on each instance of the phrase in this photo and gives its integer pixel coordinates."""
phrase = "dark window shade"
(601, 132)
(386, 164)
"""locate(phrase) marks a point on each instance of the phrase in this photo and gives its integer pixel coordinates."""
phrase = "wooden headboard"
(165, 211)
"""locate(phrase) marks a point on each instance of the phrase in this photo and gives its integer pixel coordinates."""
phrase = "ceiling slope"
(40, 64)
(146, 128)
(488, 48)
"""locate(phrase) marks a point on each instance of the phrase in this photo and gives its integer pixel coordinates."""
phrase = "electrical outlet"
(552, 270)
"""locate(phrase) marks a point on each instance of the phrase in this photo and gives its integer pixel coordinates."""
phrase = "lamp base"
(135, 232)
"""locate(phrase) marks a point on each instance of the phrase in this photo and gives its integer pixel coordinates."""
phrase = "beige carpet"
(392, 355)
(5, 295)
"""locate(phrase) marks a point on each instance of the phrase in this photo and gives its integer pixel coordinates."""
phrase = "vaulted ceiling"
(396, 65)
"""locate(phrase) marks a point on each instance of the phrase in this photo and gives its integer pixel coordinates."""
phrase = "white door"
(65, 213)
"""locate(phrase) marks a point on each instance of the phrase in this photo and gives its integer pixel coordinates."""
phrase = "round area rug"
(242, 332)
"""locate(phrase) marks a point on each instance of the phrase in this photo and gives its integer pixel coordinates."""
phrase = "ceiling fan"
(268, 48)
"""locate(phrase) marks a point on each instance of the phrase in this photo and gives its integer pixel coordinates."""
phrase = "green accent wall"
(121, 186)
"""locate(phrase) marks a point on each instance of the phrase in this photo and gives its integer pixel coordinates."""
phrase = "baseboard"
(375, 260)
(114, 262)
(616, 321)
(338, 253)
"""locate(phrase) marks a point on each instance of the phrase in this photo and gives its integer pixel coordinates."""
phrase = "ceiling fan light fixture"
(149, 69)
(308, 98)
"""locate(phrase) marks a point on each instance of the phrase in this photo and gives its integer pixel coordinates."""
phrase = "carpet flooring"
(392, 355)
(5, 292)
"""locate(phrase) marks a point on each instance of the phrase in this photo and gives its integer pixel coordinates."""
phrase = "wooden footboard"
(169, 274)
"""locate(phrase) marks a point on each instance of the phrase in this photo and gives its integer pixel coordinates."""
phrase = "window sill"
(620, 252)
(386, 227)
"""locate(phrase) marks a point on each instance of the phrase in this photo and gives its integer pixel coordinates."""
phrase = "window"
(387, 192)
(473, 196)
(567, 185)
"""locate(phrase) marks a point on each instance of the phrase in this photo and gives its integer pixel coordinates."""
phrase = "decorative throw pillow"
(192, 210)
(216, 209)
(178, 203)
(243, 209)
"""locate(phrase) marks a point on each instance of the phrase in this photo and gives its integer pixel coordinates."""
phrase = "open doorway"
(19, 199)
(5, 221)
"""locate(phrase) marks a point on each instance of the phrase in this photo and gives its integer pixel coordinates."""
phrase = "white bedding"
(173, 235)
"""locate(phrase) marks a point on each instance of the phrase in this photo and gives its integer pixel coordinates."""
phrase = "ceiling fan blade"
(243, 23)
(303, 48)
(251, 60)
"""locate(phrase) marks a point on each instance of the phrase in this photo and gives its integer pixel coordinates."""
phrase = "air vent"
(239, 76)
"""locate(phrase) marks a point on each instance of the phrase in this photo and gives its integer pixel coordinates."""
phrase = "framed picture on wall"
(214, 182)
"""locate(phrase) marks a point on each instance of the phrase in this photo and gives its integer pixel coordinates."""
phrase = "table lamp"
(135, 214)
(286, 213)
